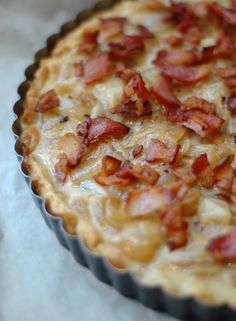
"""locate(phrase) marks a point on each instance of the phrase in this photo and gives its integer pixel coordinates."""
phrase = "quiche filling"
(129, 133)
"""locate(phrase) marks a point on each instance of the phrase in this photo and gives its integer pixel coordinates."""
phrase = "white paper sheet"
(39, 280)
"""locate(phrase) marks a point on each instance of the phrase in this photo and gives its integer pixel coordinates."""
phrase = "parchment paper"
(39, 280)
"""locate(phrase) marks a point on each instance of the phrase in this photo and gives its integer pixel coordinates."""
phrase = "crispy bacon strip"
(176, 57)
(133, 43)
(61, 168)
(97, 68)
(157, 151)
(163, 91)
(134, 108)
(176, 228)
(194, 102)
(202, 123)
(47, 101)
(185, 74)
(223, 174)
(89, 42)
(112, 26)
(223, 247)
(200, 164)
(228, 15)
(144, 32)
(136, 86)
(231, 103)
(103, 128)
(73, 146)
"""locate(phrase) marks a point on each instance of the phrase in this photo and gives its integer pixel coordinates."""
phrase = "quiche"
(129, 132)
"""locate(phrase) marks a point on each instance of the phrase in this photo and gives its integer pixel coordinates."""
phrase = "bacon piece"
(225, 46)
(230, 82)
(185, 74)
(146, 201)
(234, 186)
(174, 41)
(144, 32)
(176, 57)
(206, 54)
(118, 51)
(223, 247)
(47, 101)
(103, 128)
(112, 26)
(78, 69)
(203, 124)
(231, 103)
(200, 164)
(157, 151)
(145, 173)
(198, 103)
(136, 86)
(133, 43)
(125, 73)
(226, 72)
(112, 180)
(162, 89)
(228, 15)
(83, 128)
(185, 174)
(138, 149)
(133, 108)
(174, 115)
(89, 42)
(73, 146)
(110, 165)
(61, 168)
(97, 68)
(176, 228)
(156, 5)
(223, 174)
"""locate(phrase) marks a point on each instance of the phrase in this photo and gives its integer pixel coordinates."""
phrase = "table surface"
(40, 280)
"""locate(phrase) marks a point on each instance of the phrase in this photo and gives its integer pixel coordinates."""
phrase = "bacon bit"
(138, 149)
(89, 42)
(145, 173)
(194, 35)
(146, 201)
(222, 12)
(181, 15)
(136, 86)
(103, 128)
(200, 164)
(157, 151)
(174, 41)
(206, 54)
(176, 57)
(133, 108)
(83, 128)
(162, 89)
(47, 101)
(174, 115)
(144, 32)
(78, 69)
(110, 165)
(97, 68)
(230, 82)
(185, 74)
(223, 174)
(73, 146)
(223, 247)
(176, 228)
(133, 43)
(231, 103)
(112, 26)
(225, 47)
(185, 174)
(112, 180)
(198, 103)
(61, 168)
(118, 51)
(125, 73)
(227, 72)
(203, 124)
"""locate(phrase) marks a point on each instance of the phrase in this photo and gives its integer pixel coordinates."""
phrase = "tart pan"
(185, 308)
